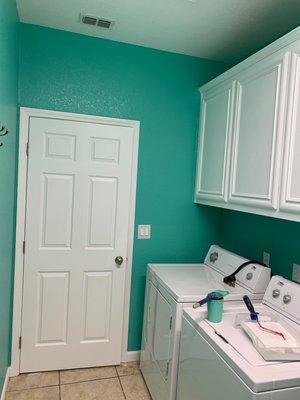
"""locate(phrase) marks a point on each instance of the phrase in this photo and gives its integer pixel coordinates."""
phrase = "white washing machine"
(170, 288)
(219, 361)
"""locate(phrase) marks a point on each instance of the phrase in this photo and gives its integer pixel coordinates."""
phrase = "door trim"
(25, 114)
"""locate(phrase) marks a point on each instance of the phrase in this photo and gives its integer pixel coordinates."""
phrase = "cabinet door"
(214, 138)
(290, 185)
(258, 132)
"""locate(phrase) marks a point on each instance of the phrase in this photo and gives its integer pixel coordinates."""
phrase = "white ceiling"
(225, 30)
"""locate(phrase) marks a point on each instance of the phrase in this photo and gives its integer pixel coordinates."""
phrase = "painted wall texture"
(8, 117)
(69, 72)
(250, 235)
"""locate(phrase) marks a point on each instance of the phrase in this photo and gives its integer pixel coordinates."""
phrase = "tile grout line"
(146, 386)
(89, 380)
(122, 388)
(59, 389)
(67, 383)
(117, 375)
(31, 388)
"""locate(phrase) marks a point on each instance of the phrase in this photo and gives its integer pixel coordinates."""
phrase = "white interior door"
(77, 217)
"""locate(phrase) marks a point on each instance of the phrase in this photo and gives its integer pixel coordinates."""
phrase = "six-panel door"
(258, 134)
(78, 199)
(214, 143)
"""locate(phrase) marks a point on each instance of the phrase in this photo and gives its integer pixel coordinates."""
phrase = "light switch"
(296, 273)
(144, 231)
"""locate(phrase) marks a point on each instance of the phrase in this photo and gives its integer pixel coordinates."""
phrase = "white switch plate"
(144, 231)
(296, 273)
(266, 258)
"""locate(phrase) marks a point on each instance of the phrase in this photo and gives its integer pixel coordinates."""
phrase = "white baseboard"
(3, 393)
(131, 356)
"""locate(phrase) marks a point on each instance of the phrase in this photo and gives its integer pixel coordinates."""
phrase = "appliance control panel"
(253, 277)
(284, 296)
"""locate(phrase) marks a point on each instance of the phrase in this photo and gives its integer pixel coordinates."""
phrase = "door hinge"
(20, 342)
(24, 247)
(171, 322)
(27, 149)
(167, 369)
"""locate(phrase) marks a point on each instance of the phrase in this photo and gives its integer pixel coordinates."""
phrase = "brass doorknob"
(119, 260)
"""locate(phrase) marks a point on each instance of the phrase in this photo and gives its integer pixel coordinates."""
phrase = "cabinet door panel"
(214, 137)
(290, 188)
(257, 135)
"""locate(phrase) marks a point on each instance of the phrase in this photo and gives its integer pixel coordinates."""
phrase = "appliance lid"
(187, 283)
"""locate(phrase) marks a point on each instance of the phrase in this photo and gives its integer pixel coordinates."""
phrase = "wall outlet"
(144, 231)
(266, 258)
(296, 273)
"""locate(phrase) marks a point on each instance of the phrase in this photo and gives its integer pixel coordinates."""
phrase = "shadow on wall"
(250, 235)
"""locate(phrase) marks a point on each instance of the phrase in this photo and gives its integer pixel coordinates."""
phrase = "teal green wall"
(8, 117)
(250, 235)
(70, 72)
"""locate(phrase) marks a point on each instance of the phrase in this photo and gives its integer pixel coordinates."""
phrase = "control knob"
(249, 276)
(287, 298)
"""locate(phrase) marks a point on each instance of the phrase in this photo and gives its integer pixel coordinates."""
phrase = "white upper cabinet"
(290, 184)
(249, 138)
(258, 131)
(214, 139)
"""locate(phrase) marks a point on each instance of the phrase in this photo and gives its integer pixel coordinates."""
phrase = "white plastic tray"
(270, 346)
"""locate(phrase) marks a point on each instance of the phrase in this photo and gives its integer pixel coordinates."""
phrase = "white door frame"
(25, 114)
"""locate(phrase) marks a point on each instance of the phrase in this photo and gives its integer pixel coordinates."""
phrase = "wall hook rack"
(3, 132)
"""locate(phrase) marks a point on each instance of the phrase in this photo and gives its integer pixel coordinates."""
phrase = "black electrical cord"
(231, 279)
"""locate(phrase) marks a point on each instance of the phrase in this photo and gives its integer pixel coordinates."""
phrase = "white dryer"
(170, 288)
(219, 361)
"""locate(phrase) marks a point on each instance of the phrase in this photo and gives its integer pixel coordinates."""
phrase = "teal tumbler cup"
(215, 310)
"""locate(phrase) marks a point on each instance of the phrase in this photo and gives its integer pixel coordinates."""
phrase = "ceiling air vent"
(96, 21)
(89, 20)
(104, 23)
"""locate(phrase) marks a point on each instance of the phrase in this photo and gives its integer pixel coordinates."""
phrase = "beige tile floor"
(104, 383)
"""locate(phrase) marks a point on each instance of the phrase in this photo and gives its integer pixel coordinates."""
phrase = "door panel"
(60, 146)
(290, 188)
(162, 334)
(158, 328)
(96, 306)
(214, 140)
(53, 311)
(78, 199)
(57, 210)
(102, 212)
(258, 134)
(150, 315)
